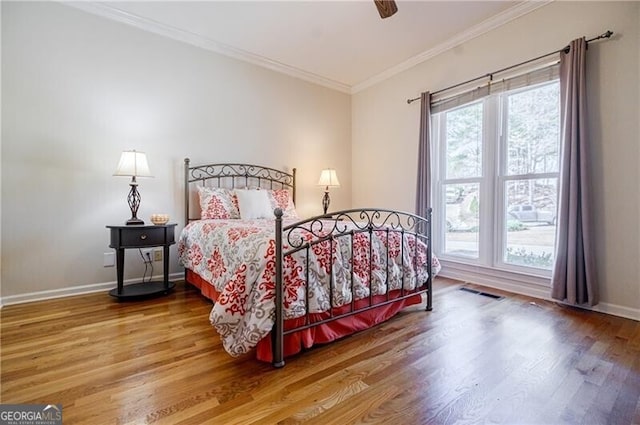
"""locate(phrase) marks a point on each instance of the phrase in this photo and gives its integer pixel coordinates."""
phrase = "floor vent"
(484, 294)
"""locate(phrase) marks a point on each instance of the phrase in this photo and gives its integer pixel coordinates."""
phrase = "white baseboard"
(510, 285)
(514, 285)
(617, 310)
(74, 290)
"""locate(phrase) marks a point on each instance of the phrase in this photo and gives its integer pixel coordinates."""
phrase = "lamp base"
(134, 202)
(326, 200)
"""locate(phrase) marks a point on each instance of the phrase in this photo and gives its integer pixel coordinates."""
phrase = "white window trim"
(507, 280)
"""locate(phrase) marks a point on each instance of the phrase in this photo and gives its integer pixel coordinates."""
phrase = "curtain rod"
(607, 34)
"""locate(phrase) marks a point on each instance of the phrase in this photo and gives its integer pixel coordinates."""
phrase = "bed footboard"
(402, 235)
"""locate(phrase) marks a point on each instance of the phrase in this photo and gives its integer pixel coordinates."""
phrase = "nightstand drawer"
(143, 237)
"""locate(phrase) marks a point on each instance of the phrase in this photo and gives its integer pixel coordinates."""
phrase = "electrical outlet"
(147, 254)
(109, 259)
(157, 255)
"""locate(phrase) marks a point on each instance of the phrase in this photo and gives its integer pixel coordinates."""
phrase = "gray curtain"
(423, 185)
(574, 276)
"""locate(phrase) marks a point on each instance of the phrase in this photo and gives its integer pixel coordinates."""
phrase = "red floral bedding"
(238, 258)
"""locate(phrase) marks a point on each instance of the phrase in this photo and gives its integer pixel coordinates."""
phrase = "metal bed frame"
(233, 175)
(320, 229)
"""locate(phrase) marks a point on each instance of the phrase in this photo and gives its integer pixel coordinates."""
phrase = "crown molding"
(473, 32)
(113, 13)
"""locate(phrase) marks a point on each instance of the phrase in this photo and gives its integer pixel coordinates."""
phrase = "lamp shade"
(328, 177)
(133, 163)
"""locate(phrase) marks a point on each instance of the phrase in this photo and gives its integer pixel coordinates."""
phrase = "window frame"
(492, 185)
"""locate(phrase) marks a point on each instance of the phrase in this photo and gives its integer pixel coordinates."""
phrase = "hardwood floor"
(472, 359)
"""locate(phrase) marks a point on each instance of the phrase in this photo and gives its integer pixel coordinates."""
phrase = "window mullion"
(439, 216)
(463, 180)
(487, 192)
(551, 175)
(500, 201)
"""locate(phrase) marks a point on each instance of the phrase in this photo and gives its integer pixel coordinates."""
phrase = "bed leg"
(278, 326)
(430, 261)
(429, 293)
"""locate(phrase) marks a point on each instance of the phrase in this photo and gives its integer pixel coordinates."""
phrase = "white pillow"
(254, 204)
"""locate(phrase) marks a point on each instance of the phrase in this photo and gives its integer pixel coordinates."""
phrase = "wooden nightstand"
(141, 236)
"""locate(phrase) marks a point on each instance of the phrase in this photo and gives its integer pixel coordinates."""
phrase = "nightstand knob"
(143, 237)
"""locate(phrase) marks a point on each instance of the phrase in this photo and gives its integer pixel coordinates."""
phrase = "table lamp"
(133, 164)
(328, 178)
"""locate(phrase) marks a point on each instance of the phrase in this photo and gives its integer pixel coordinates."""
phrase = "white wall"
(78, 89)
(0, 169)
(386, 128)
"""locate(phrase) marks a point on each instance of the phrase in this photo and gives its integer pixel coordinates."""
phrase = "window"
(462, 177)
(496, 184)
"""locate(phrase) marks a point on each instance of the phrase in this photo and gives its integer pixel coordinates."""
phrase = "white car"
(529, 213)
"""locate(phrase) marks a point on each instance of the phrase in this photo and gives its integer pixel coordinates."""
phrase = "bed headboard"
(231, 175)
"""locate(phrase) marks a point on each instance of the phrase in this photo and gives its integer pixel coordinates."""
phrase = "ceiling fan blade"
(386, 8)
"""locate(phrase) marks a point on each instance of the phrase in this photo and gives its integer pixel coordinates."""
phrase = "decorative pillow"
(217, 203)
(281, 198)
(254, 204)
